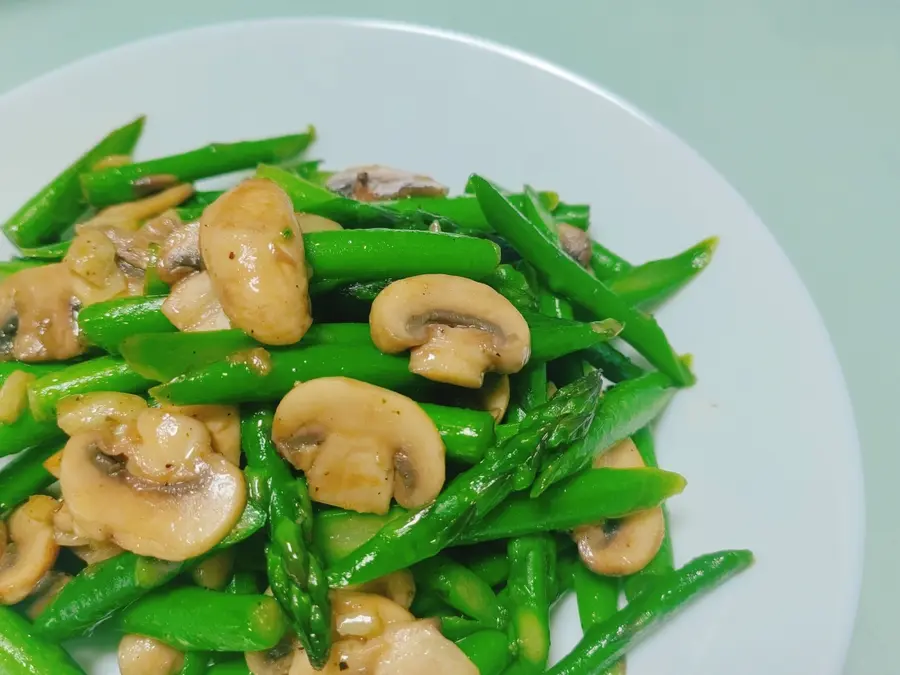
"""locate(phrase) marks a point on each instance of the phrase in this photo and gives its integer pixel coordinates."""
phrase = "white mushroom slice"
(98, 411)
(130, 214)
(38, 315)
(575, 242)
(310, 222)
(627, 545)
(388, 445)
(167, 520)
(179, 255)
(417, 648)
(253, 250)
(376, 183)
(31, 551)
(494, 396)
(399, 587)
(45, 593)
(223, 423)
(365, 615)
(456, 329)
(96, 275)
(139, 655)
(193, 305)
(171, 446)
(14, 395)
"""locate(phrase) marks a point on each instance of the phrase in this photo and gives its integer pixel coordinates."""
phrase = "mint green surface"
(796, 102)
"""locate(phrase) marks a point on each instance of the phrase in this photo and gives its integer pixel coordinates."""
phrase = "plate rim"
(855, 494)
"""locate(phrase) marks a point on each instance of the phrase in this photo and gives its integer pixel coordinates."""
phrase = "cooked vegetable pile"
(334, 422)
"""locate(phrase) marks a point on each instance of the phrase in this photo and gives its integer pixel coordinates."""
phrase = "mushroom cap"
(97, 411)
(174, 499)
(193, 305)
(223, 423)
(456, 329)
(626, 545)
(179, 254)
(253, 249)
(42, 301)
(387, 445)
(139, 655)
(32, 550)
(375, 182)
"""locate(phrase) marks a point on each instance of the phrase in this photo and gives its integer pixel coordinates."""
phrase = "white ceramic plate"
(766, 439)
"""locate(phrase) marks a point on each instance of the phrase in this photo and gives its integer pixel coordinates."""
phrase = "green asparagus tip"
(703, 252)
(608, 327)
(688, 361)
(311, 130)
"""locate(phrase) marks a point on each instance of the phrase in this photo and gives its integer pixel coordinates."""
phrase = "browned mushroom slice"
(38, 315)
(139, 655)
(31, 551)
(45, 593)
(253, 251)
(376, 183)
(388, 446)
(170, 496)
(193, 305)
(179, 254)
(626, 545)
(576, 243)
(456, 329)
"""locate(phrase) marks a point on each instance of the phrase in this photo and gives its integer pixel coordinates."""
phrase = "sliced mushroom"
(38, 315)
(494, 396)
(223, 423)
(214, 572)
(364, 615)
(418, 647)
(399, 587)
(130, 214)
(388, 445)
(139, 655)
(310, 222)
(31, 551)
(456, 329)
(96, 275)
(170, 496)
(14, 395)
(253, 249)
(576, 243)
(135, 250)
(179, 255)
(193, 305)
(376, 183)
(626, 545)
(98, 411)
(45, 593)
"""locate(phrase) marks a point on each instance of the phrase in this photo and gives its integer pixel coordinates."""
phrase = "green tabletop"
(796, 102)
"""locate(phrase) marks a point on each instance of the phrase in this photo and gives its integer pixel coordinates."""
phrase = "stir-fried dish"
(334, 422)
